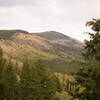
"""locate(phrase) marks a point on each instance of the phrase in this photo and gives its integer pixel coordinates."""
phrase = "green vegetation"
(92, 47)
(6, 34)
(34, 81)
(8, 80)
(66, 68)
(63, 96)
(58, 51)
(31, 82)
(52, 35)
(87, 79)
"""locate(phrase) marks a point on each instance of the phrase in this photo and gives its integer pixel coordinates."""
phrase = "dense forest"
(35, 81)
(31, 82)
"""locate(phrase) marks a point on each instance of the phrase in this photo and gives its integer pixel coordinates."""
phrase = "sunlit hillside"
(56, 49)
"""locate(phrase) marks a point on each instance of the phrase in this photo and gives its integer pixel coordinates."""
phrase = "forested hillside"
(56, 49)
(33, 80)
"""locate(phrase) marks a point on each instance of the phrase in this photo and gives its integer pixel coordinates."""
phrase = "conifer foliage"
(32, 82)
(87, 79)
(92, 47)
(2, 81)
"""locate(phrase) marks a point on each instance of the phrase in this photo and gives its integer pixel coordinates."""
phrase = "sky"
(66, 16)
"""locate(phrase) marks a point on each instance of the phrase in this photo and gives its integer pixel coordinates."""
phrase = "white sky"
(66, 16)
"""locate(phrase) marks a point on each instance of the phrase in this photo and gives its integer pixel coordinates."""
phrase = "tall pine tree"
(48, 88)
(2, 75)
(12, 85)
(30, 83)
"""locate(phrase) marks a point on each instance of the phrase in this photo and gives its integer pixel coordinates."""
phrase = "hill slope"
(53, 47)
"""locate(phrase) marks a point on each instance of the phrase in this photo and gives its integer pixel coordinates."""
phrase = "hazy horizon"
(67, 17)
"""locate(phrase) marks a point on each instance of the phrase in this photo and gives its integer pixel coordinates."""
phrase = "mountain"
(59, 37)
(54, 48)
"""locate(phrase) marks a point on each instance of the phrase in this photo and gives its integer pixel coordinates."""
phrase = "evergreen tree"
(12, 86)
(48, 88)
(30, 83)
(24, 83)
(2, 75)
(87, 84)
(92, 47)
(8, 80)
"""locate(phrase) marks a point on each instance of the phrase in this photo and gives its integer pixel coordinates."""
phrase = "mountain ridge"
(52, 47)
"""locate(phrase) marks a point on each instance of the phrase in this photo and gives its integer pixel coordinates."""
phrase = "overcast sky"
(66, 16)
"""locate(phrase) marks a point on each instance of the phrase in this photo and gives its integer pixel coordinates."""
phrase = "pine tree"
(24, 83)
(30, 83)
(8, 80)
(48, 88)
(2, 75)
(12, 86)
